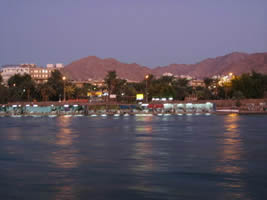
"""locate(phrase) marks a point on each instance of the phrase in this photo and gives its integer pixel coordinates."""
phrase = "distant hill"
(95, 68)
(237, 63)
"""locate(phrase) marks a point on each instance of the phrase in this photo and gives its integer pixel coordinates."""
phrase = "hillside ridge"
(95, 68)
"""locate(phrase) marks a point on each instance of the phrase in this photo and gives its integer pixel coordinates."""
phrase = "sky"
(148, 32)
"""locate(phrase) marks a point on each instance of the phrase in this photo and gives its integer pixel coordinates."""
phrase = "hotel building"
(38, 74)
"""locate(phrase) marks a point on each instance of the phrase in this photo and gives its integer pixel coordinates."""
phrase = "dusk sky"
(148, 32)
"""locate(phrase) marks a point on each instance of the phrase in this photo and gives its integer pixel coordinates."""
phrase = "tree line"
(24, 88)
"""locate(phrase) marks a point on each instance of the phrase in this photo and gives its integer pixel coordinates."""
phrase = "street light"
(146, 77)
(64, 92)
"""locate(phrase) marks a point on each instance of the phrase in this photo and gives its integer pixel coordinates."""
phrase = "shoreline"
(127, 114)
(251, 107)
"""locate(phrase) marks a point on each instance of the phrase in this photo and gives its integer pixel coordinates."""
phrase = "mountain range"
(95, 68)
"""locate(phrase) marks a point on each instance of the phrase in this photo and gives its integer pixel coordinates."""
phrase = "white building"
(55, 66)
(10, 70)
(167, 74)
(38, 74)
(59, 65)
(50, 66)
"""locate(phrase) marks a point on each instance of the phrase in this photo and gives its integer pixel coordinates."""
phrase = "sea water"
(134, 157)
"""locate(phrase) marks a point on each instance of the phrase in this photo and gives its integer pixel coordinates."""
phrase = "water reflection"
(149, 159)
(66, 156)
(232, 149)
(230, 155)
(144, 118)
(144, 129)
(65, 192)
(143, 146)
(64, 136)
(14, 134)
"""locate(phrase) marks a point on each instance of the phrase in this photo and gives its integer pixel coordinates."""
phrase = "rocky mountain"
(237, 63)
(96, 69)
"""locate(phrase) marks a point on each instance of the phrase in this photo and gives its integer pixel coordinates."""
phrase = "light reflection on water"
(67, 156)
(14, 133)
(144, 157)
(65, 192)
(143, 147)
(232, 146)
(147, 159)
(230, 156)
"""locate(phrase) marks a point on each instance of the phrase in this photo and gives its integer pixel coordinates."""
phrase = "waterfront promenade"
(258, 106)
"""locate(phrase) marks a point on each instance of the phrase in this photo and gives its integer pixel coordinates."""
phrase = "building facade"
(197, 83)
(55, 66)
(10, 70)
(38, 74)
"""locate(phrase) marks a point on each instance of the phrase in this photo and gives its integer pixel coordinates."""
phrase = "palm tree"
(46, 91)
(70, 90)
(56, 82)
(110, 81)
